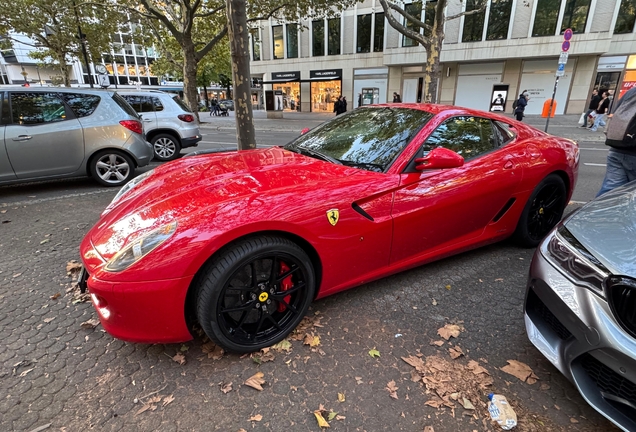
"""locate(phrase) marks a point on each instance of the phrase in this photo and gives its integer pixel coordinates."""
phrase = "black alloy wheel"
(255, 294)
(542, 212)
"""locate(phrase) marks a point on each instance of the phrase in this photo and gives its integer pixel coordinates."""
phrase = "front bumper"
(145, 312)
(140, 149)
(575, 330)
(190, 142)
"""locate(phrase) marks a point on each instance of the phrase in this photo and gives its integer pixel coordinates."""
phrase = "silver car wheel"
(165, 148)
(112, 168)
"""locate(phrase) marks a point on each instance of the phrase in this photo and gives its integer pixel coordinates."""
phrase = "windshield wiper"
(361, 164)
(314, 153)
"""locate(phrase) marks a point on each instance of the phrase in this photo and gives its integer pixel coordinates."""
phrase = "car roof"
(41, 89)
(450, 110)
(143, 92)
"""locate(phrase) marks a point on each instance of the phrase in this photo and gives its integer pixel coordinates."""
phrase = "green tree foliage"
(53, 25)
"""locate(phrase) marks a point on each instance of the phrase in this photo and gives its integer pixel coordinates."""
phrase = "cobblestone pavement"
(54, 372)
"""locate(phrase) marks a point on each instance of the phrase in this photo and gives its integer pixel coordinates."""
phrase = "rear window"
(125, 105)
(181, 104)
(82, 104)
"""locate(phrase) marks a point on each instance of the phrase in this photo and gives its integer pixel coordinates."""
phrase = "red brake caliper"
(285, 285)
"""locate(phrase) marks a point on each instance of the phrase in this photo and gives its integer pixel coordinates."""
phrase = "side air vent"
(504, 209)
(360, 210)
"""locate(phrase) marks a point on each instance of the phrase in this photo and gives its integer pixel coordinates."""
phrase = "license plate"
(82, 277)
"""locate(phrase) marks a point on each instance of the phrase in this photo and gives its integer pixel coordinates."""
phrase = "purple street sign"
(567, 35)
(565, 46)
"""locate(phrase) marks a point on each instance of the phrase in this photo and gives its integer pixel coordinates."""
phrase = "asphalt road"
(53, 371)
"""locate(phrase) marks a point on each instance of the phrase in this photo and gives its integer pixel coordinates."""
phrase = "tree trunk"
(237, 19)
(432, 78)
(66, 73)
(207, 100)
(190, 76)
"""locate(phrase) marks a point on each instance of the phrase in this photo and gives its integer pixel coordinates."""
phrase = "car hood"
(607, 228)
(222, 184)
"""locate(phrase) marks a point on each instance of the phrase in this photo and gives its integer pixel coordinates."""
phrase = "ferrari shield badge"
(333, 215)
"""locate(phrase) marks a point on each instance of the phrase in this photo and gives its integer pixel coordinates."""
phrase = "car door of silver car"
(6, 171)
(43, 138)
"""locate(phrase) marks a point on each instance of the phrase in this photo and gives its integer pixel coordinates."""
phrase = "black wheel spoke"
(240, 288)
(261, 320)
(290, 307)
(243, 307)
(271, 318)
(287, 274)
(254, 276)
(241, 321)
(274, 271)
(281, 294)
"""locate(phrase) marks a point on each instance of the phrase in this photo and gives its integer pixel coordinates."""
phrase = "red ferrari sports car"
(242, 242)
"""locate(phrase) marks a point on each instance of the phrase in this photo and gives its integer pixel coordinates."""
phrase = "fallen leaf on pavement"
(17, 274)
(521, 371)
(24, 373)
(340, 417)
(167, 400)
(359, 380)
(255, 381)
(573, 420)
(374, 353)
(73, 266)
(341, 397)
(455, 352)
(179, 358)
(144, 408)
(429, 429)
(283, 345)
(392, 389)
(242, 430)
(213, 351)
(311, 340)
(476, 368)
(331, 415)
(55, 296)
(468, 404)
(437, 343)
(48, 320)
(91, 323)
(256, 417)
(226, 387)
(449, 330)
(448, 287)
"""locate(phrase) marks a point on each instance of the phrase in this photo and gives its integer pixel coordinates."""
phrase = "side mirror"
(304, 131)
(439, 158)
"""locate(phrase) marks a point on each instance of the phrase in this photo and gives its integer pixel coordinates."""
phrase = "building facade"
(513, 45)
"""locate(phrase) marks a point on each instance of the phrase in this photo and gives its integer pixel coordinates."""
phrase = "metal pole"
(83, 43)
(556, 82)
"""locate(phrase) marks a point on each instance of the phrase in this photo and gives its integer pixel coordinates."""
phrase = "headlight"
(128, 187)
(140, 248)
(576, 262)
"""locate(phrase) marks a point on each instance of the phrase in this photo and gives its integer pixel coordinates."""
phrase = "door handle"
(22, 138)
(147, 120)
(509, 165)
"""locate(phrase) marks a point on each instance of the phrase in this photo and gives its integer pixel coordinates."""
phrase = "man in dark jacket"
(592, 106)
(521, 105)
(396, 98)
(621, 138)
(601, 110)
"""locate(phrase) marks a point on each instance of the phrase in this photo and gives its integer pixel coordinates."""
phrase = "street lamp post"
(82, 39)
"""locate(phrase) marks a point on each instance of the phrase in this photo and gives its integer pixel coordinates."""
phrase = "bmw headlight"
(575, 261)
(140, 248)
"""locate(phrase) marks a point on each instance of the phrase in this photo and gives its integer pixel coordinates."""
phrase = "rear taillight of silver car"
(188, 118)
(133, 125)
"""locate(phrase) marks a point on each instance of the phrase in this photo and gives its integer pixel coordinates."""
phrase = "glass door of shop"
(291, 95)
(324, 94)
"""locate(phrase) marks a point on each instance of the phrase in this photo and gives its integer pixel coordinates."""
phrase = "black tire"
(542, 212)
(166, 147)
(112, 168)
(243, 303)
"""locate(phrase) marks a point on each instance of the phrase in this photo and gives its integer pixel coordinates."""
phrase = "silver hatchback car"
(48, 133)
(580, 308)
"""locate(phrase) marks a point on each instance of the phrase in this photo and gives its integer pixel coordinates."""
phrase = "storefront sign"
(629, 82)
(326, 74)
(289, 76)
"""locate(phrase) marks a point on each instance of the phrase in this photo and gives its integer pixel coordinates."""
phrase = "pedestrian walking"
(621, 138)
(520, 105)
(214, 107)
(337, 106)
(594, 100)
(600, 111)
(344, 105)
(396, 98)
(359, 100)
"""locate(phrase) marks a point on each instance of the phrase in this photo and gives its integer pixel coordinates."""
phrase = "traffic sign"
(563, 58)
(567, 34)
(565, 46)
(560, 70)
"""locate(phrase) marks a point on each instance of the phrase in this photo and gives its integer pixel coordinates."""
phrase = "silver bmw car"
(580, 308)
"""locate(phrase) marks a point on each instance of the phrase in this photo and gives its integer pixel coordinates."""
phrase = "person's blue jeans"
(621, 169)
(598, 121)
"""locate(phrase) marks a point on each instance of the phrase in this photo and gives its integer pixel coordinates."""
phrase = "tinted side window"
(146, 104)
(134, 101)
(124, 105)
(157, 103)
(81, 104)
(36, 108)
(181, 103)
(467, 136)
(6, 115)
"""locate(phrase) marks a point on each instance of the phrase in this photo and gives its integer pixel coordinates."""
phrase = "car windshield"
(367, 138)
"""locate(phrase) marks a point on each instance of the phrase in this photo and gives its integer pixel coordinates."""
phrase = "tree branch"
(408, 16)
(164, 19)
(467, 13)
(402, 29)
(269, 14)
(208, 47)
(212, 12)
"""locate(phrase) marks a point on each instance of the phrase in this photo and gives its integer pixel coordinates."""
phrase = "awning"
(281, 81)
(316, 79)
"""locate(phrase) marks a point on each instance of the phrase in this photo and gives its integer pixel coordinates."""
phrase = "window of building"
(545, 20)
(333, 36)
(36, 108)
(279, 44)
(378, 36)
(256, 45)
(473, 24)
(429, 17)
(575, 15)
(292, 40)
(363, 43)
(626, 17)
(499, 19)
(415, 10)
(318, 37)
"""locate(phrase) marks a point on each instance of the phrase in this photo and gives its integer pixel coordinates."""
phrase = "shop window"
(318, 37)
(415, 10)
(333, 36)
(499, 20)
(279, 44)
(323, 95)
(626, 18)
(378, 36)
(256, 45)
(429, 17)
(363, 43)
(292, 40)
(473, 24)
(545, 20)
(575, 15)
(291, 95)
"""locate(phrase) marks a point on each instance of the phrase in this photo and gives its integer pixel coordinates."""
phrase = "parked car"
(168, 122)
(243, 242)
(227, 103)
(580, 307)
(48, 133)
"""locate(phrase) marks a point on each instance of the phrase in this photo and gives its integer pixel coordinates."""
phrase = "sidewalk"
(562, 125)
